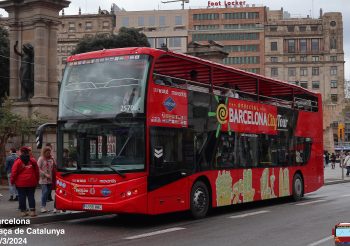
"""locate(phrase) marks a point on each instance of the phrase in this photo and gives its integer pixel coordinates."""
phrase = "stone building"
(239, 29)
(169, 27)
(75, 27)
(309, 52)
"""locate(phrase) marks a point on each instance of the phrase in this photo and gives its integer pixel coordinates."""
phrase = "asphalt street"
(279, 222)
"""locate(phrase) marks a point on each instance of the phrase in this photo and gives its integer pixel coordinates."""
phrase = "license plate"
(92, 206)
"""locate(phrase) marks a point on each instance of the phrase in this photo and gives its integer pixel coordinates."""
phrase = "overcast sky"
(297, 8)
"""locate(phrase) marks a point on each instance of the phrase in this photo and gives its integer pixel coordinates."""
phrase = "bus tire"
(298, 187)
(199, 200)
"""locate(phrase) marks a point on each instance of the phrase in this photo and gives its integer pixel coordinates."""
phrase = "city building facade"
(309, 52)
(162, 27)
(239, 29)
(73, 28)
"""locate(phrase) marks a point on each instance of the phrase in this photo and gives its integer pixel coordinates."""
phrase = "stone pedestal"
(35, 22)
(210, 50)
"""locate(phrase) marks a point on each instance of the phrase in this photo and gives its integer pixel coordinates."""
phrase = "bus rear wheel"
(298, 187)
(199, 200)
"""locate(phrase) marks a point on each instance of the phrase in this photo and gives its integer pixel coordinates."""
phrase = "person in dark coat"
(333, 159)
(25, 175)
(10, 160)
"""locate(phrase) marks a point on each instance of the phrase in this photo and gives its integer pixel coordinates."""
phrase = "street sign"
(341, 131)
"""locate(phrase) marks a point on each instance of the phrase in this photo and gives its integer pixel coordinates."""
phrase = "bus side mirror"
(333, 231)
(40, 132)
(158, 153)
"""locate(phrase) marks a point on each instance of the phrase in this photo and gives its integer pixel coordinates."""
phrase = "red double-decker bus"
(150, 131)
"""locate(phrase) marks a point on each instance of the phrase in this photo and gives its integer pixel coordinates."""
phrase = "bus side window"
(225, 152)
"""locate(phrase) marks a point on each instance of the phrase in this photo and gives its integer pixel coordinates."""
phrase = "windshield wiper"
(70, 172)
(116, 171)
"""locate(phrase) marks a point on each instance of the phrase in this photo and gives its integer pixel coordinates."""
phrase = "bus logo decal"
(106, 192)
(169, 103)
(221, 115)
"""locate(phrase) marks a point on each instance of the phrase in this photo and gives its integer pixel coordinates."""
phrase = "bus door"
(172, 161)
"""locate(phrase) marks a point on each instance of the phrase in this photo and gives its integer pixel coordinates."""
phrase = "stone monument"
(33, 40)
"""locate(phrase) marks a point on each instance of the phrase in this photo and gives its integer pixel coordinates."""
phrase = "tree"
(127, 37)
(4, 63)
(13, 125)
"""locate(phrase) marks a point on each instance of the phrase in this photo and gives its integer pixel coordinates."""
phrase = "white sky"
(297, 8)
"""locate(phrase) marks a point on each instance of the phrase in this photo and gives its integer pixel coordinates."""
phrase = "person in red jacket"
(25, 175)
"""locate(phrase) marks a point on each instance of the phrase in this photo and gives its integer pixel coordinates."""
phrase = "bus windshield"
(101, 146)
(104, 87)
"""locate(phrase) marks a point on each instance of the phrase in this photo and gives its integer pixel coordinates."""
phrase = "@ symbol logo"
(221, 115)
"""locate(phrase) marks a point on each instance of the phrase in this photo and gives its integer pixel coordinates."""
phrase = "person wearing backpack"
(10, 160)
(25, 175)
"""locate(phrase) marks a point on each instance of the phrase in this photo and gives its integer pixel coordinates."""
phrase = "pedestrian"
(49, 197)
(347, 163)
(327, 158)
(25, 175)
(10, 160)
(333, 159)
(46, 167)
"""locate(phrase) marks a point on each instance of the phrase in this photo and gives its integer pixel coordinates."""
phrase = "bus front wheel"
(199, 200)
(298, 187)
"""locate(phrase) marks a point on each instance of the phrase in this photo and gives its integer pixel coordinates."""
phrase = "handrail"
(269, 100)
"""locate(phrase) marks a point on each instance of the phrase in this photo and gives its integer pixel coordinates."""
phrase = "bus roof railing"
(296, 102)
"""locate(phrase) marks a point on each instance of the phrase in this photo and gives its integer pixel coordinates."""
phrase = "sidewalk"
(334, 176)
(9, 209)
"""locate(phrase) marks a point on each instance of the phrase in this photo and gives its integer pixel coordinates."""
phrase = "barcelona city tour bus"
(150, 131)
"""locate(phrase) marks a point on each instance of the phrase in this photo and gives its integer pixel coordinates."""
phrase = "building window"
(303, 45)
(242, 60)
(334, 83)
(291, 45)
(273, 29)
(69, 48)
(88, 36)
(141, 21)
(315, 45)
(208, 16)
(151, 42)
(315, 58)
(178, 20)
(64, 60)
(314, 28)
(274, 71)
(291, 71)
(333, 58)
(105, 25)
(291, 59)
(290, 28)
(333, 43)
(273, 46)
(334, 70)
(315, 71)
(125, 21)
(334, 98)
(315, 84)
(71, 36)
(304, 84)
(88, 25)
(302, 28)
(241, 48)
(206, 27)
(71, 26)
(333, 23)
(162, 21)
(161, 42)
(175, 42)
(303, 58)
(303, 71)
(152, 20)
(274, 59)
(225, 36)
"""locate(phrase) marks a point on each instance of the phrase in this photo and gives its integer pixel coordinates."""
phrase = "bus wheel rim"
(297, 187)
(199, 199)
